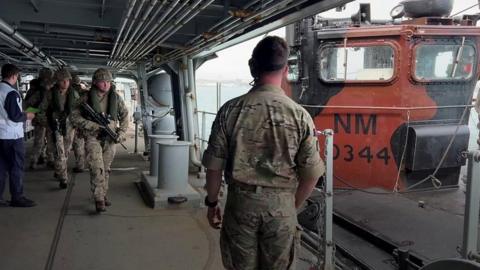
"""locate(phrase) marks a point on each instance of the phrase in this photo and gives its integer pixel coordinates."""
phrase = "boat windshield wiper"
(457, 58)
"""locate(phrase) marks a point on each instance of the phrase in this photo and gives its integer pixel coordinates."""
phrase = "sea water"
(207, 101)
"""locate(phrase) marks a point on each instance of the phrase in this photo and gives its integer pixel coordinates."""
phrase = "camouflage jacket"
(264, 138)
(90, 128)
(34, 98)
(48, 114)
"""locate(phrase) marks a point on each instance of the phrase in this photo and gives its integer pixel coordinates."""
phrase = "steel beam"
(143, 89)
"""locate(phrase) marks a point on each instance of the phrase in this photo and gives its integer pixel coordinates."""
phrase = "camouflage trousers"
(259, 230)
(100, 154)
(79, 150)
(60, 145)
(39, 144)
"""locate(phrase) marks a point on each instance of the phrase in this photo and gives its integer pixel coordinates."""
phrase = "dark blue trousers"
(12, 156)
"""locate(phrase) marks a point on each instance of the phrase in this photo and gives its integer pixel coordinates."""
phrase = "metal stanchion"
(326, 245)
(472, 207)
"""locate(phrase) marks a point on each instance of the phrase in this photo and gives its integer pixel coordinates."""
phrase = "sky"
(232, 63)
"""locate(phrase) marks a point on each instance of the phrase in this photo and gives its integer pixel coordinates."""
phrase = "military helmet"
(102, 74)
(76, 79)
(62, 74)
(45, 74)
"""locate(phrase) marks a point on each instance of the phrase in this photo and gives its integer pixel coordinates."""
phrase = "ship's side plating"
(397, 97)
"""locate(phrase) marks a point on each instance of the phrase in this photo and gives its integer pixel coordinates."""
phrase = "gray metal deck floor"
(429, 233)
(128, 236)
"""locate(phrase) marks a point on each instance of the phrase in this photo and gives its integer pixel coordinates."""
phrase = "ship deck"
(64, 232)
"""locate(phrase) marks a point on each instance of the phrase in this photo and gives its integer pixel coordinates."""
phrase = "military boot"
(100, 206)
(33, 166)
(63, 184)
(107, 202)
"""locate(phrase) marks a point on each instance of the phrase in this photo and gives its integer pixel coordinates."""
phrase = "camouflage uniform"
(264, 142)
(78, 141)
(33, 99)
(100, 148)
(59, 129)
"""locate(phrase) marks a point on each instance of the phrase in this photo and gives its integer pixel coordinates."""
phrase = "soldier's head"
(63, 77)
(269, 58)
(45, 77)
(75, 79)
(10, 73)
(102, 79)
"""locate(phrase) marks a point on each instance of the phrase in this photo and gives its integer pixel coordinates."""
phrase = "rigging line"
(58, 230)
(435, 182)
(395, 188)
(464, 10)
(355, 188)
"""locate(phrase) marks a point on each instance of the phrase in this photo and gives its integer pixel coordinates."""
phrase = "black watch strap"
(210, 204)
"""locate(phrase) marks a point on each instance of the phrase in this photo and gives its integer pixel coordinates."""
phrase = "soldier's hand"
(121, 138)
(30, 115)
(214, 216)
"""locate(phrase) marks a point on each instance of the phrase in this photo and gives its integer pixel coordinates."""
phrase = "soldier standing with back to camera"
(100, 148)
(54, 111)
(38, 88)
(266, 146)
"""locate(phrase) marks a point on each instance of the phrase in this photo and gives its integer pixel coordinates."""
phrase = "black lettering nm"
(363, 126)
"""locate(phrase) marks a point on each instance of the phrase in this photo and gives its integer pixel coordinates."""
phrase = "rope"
(395, 188)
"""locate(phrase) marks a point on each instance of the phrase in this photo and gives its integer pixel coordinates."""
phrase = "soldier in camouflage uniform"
(54, 110)
(38, 88)
(266, 146)
(100, 148)
(78, 140)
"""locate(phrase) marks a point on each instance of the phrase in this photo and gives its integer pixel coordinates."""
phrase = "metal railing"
(203, 140)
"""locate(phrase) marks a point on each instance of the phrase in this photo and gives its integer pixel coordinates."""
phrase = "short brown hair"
(9, 70)
(270, 54)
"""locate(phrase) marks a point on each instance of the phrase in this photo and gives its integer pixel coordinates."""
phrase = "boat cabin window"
(368, 63)
(293, 67)
(439, 62)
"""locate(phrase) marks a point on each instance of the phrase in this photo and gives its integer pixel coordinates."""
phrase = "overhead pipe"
(130, 5)
(248, 5)
(132, 22)
(234, 29)
(182, 24)
(159, 25)
(171, 28)
(245, 22)
(23, 43)
(191, 13)
(156, 27)
(221, 32)
(142, 25)
(21, 49)
(9, 58)
(182, 9)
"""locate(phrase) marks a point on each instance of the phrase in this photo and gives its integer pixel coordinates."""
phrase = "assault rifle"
(59, 129)
(103, 121)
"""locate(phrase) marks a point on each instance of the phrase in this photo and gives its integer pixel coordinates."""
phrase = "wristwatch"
(210, 204)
